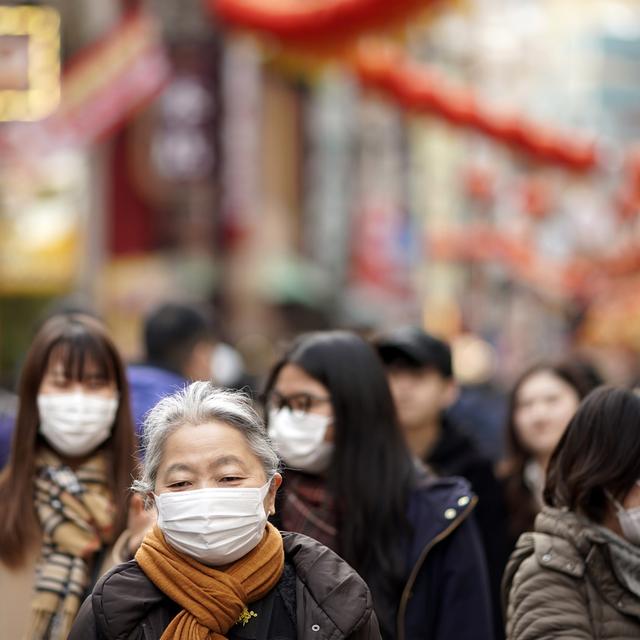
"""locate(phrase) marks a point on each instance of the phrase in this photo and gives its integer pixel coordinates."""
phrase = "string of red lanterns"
(419, 88)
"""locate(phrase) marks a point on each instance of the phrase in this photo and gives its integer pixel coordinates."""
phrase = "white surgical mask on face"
(215, 526)
(75, 424)
(629, 520)
(299, 439)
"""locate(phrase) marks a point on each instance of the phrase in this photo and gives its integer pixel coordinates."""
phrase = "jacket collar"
(566, 542)
(434, 504)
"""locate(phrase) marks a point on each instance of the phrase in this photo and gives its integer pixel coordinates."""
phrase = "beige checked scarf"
(76, 513)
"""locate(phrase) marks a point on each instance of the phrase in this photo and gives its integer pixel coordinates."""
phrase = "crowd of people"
(154, 501)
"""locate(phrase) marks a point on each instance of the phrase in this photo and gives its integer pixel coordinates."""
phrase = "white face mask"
(299, 439)
(214, 526)
(75, 424)
(629, 520)
(226, 365)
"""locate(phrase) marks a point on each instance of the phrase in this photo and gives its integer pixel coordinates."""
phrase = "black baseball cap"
(414, 348)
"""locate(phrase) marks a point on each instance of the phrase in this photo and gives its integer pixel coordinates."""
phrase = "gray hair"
(196, 404)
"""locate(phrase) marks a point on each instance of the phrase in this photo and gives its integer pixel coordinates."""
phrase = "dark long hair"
(75, 339)
(371, 471)
(520, 501)
(599, 451)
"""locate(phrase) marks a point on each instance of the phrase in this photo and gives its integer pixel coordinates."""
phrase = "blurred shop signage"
(101, 88)
(43, 208)
(29, 62)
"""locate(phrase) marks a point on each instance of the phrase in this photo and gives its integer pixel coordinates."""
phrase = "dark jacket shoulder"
(446, 567)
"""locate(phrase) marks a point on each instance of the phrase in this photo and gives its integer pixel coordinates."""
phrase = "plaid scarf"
(309, 508)
(76, 512)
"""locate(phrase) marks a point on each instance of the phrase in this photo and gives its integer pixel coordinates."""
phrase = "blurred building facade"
(291, 197)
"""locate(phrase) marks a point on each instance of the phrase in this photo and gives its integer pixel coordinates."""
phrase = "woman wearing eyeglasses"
(351, 484)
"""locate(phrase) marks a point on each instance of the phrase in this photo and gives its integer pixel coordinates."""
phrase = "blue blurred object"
(8, 408)
(148, 385)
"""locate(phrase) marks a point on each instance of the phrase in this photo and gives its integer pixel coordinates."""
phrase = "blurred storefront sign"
(42, 212)
(29, 62)
(101, 87)
(47, 210)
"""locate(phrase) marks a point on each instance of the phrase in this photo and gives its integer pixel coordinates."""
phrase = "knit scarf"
(212, 600)
(76, 513)
(308, 507)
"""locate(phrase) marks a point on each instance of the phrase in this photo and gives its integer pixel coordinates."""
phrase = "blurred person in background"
(352, 484)
(481, 406)
(420, 372)
(541, 403)
(577, 575)
(72, 304)
(64, 491)
(213, 567)
(181, 345)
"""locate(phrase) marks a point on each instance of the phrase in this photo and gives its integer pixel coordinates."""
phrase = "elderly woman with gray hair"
(212, 567)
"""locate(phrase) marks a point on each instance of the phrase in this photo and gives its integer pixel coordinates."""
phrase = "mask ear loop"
(264, 489)
(268, 487)
(612, 499)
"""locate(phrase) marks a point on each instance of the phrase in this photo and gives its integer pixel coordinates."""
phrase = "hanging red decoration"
(536, 197)
(310, 23)
(627, 198)
(479, 184)
(419, 88)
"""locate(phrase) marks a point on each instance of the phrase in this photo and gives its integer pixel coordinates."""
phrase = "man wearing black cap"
(420, 372)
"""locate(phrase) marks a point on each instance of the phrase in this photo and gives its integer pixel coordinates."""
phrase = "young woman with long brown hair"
(64, 491)
(541, 404)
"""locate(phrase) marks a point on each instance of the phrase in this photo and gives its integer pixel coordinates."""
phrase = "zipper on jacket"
(146, 631)
(406, 592)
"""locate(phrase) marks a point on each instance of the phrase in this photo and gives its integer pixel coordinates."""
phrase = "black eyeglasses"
(296, 402)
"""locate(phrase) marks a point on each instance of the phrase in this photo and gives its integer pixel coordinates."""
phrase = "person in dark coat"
(213, 566)
(420, 373)
(352, 484)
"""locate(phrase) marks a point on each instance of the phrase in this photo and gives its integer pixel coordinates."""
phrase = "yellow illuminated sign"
(29, 62)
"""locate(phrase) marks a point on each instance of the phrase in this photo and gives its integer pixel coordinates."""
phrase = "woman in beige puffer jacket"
(577, 575)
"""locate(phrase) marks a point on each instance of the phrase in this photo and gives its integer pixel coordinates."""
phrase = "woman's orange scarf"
(212, 599)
